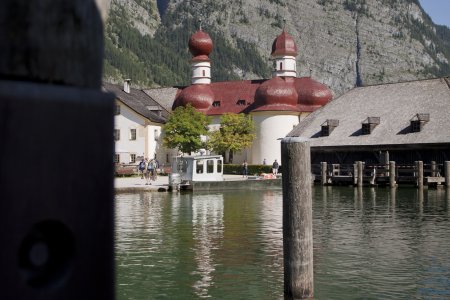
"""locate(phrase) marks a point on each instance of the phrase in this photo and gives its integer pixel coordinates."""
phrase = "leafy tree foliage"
(184, 129)
(236, 132)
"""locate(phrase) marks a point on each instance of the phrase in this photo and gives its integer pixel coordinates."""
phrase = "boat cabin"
(198, 168)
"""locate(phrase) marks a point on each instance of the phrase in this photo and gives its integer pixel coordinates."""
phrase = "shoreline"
(161, 184)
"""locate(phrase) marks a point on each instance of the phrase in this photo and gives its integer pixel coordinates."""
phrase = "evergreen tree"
(236, 132)
(184, 129)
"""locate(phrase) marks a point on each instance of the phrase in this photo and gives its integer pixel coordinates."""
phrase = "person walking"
(245, 169)
(275, 167)
(141, 167)
(150, 172)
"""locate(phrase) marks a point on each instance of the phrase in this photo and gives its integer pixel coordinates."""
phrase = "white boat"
(188, 169)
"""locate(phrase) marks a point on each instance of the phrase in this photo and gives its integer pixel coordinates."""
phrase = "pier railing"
(419, 174)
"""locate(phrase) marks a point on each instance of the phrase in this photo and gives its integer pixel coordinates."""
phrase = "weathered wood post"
(447, 173)
(419, 173)
(360, 173)
(355, 173)
(433, 169)
(56, 214)
(297, 219)
(323, 170)
(392, 182)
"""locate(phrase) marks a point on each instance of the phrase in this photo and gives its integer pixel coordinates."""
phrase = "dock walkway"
(136, 184)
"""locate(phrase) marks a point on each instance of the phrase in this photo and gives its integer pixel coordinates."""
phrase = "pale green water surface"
(368, 244)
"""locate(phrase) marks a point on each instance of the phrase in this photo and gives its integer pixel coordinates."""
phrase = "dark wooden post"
(447, 173)
(392, 174)
(419, 172)
(360, 173)
(433, 169)
(56, 153)
(297, 219)
(323, 169)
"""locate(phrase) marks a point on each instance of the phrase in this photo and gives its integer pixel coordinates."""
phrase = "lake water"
(371, 243)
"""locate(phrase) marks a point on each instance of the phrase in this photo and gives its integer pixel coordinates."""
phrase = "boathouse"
(401, 122)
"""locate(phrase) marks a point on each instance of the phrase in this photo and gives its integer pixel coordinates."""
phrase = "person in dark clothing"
(275, 167)
(245, 169)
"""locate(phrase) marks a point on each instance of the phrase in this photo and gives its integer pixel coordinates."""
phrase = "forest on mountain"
(342, 43)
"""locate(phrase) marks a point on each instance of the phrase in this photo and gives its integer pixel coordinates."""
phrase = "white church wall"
(271, 127)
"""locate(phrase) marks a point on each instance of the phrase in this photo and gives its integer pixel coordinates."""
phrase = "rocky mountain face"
(342, 43)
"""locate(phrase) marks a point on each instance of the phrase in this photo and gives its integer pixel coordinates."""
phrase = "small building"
(402, 122)
(137, 129)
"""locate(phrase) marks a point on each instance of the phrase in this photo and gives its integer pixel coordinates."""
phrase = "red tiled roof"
(239, 97)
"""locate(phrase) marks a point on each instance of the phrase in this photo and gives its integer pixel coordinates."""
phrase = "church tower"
(284, 52)
(200, 45)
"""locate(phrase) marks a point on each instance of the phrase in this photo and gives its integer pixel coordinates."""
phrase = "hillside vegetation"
(342, 43)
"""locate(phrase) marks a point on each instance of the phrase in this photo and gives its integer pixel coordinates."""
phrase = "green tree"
(236, 132)
(184, 128)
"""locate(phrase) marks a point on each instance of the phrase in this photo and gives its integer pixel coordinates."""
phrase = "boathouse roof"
(391, 112)
(140, 102)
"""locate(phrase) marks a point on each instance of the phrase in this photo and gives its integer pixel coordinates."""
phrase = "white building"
(137, 129)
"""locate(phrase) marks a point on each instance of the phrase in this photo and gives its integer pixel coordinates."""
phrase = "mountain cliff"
(342, 43)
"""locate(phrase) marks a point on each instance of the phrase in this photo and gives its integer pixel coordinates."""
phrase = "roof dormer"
(369, 124)
(328, 126)
(419, 121)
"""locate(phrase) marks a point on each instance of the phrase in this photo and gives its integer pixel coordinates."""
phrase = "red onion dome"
(276, 91)
(284, 45)
(200, 44)
(200, 96)
(311, 92)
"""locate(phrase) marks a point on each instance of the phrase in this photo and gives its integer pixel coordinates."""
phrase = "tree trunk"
(230, 157)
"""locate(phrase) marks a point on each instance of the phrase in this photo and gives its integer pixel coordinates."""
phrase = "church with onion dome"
(276, 105)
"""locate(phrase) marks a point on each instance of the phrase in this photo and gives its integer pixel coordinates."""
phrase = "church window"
(216, 104)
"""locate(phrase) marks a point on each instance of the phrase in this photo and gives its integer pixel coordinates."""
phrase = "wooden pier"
(361, 174)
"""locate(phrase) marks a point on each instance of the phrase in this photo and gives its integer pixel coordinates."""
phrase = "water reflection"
(369, 243)
(207, 223)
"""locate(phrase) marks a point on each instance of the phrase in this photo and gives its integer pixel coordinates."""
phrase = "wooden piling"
(419, 173)
(360, 173)
(392, 182)
(447, 173)
(355, 173)
(323, 169)
(433, 169)
(297, 219)
(56, 224)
